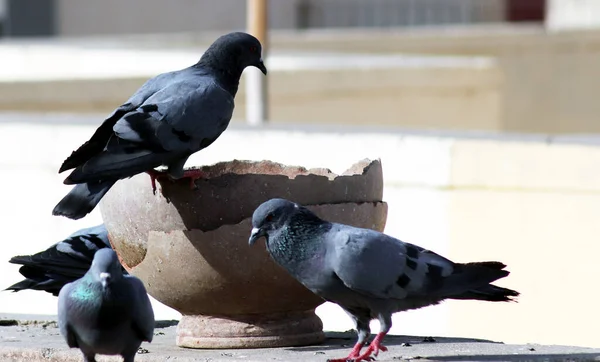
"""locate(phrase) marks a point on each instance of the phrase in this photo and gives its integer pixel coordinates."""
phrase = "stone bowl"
(190, 247)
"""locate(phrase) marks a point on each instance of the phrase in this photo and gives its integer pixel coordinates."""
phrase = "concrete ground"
(36, 338)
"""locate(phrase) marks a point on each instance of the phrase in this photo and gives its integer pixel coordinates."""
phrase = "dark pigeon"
(172, 116)
(62, 263)
(369, 274)
(105, 312)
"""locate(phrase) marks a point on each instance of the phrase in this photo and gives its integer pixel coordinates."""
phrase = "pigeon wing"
(381, 266)
(184, 116)
(143, 315)
(157, 133)
(62, 262)
(63, 316)
(98, 141)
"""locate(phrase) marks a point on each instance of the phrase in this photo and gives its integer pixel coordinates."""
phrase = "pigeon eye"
(269, 217)
(253, 49)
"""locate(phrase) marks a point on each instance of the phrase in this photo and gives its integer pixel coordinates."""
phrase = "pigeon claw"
(193, 174)
(367, 355)
(352, 357)
(155, 175)
(373, 349)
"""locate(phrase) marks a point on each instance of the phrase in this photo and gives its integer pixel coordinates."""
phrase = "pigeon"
(62, 263)
(172, 116)
(105, 312)
(369, 274)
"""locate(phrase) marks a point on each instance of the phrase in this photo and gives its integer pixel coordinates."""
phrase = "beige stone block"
(525, 166)
(459, 97)
(550, 81)
(453, 98)
(549, 240)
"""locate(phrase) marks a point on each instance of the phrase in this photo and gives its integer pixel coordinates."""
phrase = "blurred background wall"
(544, 79)
(89, 17)
(484, 112)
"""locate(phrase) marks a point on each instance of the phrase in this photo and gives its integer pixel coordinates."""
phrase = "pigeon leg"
(363, 330)
(373, 348)
(89, 357)
(155, 175)
(385, 321)
(193, 175)
(128, 357)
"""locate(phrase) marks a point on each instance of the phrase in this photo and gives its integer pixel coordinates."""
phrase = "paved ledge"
(36, 338)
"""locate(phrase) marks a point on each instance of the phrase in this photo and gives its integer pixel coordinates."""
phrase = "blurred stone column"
(257, 104)
(572, 14)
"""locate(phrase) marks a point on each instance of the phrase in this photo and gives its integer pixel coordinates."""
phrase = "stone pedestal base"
(250, 331)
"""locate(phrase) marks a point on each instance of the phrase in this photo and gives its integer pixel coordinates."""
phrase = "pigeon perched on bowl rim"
(170, 117)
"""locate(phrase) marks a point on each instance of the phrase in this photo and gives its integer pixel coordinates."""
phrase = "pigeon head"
(105, 268)
(271, 216)
(233, 52)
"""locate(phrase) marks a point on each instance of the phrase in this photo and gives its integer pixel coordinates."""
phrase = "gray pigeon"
(172, 116)
(369, 274)
(62, 263)
(105, 312)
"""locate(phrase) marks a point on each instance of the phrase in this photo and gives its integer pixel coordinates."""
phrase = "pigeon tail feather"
(82, 199)
(469, 276)
(490, 293)
(478, 276)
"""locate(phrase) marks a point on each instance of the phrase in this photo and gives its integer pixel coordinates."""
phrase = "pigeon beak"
(262, 67)
(256, 234)
(104, 279)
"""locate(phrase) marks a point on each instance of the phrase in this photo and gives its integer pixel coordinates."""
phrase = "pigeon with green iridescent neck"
(369, 274)
(105, 312)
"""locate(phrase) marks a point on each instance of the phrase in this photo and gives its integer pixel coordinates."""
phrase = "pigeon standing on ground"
(105, 312)
(172, 116)
(62, 263)
(369, 274)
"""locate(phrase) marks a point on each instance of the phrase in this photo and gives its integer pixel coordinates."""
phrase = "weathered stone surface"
(269, 330)
(228, 194)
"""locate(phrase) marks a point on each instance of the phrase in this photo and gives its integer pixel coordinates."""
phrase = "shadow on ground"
(342, 340)
(572, 357)
(422, 348)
